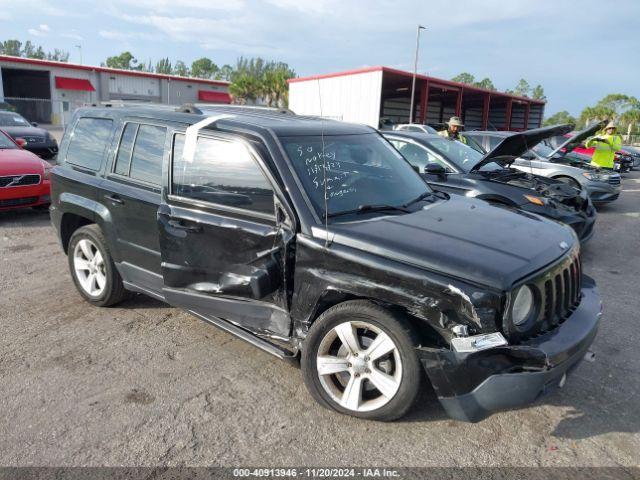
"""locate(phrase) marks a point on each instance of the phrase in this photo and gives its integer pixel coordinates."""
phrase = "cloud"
(126, 36)
(42, 31)
(72, 36)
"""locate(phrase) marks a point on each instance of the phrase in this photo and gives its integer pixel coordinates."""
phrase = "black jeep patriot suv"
(316, 238)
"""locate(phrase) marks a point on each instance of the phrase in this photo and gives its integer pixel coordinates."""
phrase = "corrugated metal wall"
(351, 98)
(535, 116)
(123, 87)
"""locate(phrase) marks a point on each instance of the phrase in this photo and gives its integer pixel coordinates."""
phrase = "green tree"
(224, 73)
(203, 68)
(464, 77)
(618, 107)
(164, 66)
(125, 61)
(522, 88)
(11, 47)
(181, 69)
(538, 93)
(560, 118)
(485, 83)
(244, 89)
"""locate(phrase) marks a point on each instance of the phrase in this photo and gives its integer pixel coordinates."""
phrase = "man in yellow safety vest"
(606, 144)
(454, 125)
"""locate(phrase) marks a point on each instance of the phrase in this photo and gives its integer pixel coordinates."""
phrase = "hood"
(16, 161)
(463, 238)
(16, 132)
(578, 138)
(517, 144)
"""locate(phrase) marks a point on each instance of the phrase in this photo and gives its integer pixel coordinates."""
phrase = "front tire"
(92, 268)
(359, 359)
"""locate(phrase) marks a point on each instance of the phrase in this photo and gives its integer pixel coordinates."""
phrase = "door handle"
(114, 199)
(177, 224)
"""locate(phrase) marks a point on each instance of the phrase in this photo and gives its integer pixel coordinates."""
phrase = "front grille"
(560, 293)
(16, 202)
(614, 179)
(19, 180)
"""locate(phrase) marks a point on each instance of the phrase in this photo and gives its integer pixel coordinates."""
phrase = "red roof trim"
(218, 97)
(433, 82)
(133, 73)
(67, 83)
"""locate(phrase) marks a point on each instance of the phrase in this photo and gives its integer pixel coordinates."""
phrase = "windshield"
(360, 170)
(5, 142)
(543, 150)
(463, 156)
(9, 119)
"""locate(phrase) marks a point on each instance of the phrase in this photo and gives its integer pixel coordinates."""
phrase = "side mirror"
(21, 142)
(35, 124)
(435, 169)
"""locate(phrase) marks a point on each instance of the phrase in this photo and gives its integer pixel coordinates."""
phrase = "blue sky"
(579, 51)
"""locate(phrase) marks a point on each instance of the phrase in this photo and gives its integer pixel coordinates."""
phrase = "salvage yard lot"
(146, 384)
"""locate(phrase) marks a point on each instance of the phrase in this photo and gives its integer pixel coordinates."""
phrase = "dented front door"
(222, 248)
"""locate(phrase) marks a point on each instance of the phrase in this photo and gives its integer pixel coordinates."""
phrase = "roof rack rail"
(126, 103)
(257, 108)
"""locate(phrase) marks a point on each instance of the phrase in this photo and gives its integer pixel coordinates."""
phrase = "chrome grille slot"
(19, 180)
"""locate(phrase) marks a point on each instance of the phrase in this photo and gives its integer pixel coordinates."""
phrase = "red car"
(24, 177)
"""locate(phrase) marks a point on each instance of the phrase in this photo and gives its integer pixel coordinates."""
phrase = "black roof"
(282, 123)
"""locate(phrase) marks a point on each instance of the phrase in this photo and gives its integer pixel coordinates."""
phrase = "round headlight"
(522, 306)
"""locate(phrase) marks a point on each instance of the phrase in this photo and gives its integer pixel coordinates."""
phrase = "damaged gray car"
(315, 240)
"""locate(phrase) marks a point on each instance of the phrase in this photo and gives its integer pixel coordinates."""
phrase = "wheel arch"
(426, 333)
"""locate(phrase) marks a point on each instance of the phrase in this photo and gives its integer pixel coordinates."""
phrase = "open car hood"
(578, 138)
(517, 144)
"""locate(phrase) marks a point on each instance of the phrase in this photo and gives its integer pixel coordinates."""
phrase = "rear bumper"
(470, 386)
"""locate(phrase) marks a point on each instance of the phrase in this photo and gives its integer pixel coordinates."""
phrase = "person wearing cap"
(454, 125)
(606, 144)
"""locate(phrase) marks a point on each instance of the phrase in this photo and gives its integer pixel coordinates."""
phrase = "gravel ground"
(144, 384)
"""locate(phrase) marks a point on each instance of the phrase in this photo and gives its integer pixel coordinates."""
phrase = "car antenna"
(324, 169)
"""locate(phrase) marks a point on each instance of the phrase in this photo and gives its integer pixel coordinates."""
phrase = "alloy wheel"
(359, 366)
(89, 267)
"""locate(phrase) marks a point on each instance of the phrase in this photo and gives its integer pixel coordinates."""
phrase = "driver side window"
(418, 156)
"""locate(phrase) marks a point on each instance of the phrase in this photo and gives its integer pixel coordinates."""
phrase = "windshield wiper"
(422, 196)
(370, 208)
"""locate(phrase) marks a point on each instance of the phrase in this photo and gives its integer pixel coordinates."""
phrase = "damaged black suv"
(315, 239)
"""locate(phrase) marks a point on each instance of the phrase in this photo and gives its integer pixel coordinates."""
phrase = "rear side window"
(89, 140)
(140, 153)
(223, 173)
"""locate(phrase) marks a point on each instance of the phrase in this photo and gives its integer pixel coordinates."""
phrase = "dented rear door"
(222, 249)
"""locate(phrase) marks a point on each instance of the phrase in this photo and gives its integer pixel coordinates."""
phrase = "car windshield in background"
(361, 170)
(6, 142)
(542, 150)
(9, 119)
(463, 156)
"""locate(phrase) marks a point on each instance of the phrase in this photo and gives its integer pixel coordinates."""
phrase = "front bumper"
(603, 192)
(470, 386)
(24, 197)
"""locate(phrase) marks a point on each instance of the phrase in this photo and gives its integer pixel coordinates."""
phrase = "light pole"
(415, 72)
(79, 47)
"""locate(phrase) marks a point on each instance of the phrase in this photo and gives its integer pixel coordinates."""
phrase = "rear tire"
(359, 359)
(92, 268)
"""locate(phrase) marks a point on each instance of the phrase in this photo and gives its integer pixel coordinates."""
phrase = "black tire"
(114, 291)
(400, 333)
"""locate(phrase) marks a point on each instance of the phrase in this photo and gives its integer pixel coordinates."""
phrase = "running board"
(247, 336)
